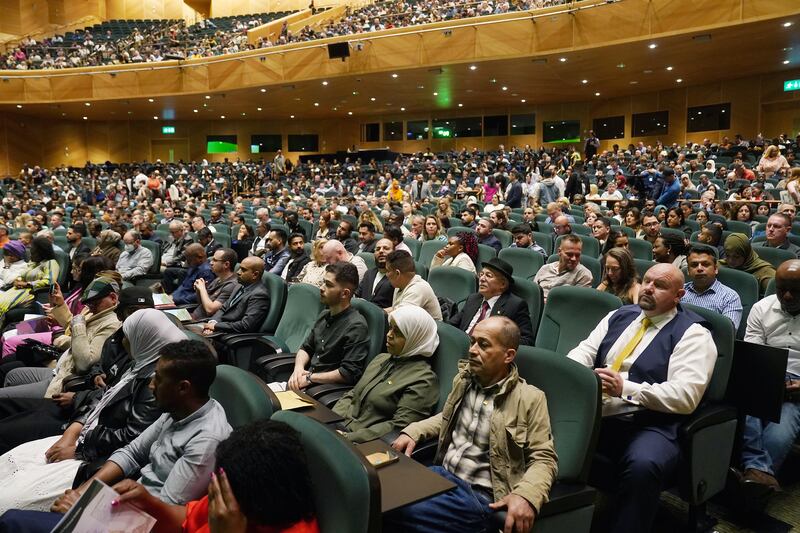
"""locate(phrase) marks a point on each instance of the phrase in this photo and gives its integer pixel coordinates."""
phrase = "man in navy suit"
(514, 191)
(494, 298)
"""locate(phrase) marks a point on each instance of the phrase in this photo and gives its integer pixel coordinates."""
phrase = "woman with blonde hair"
(314, 271)
(443, 209)
(370, 216)
(793, 186)
(432, 230)
(772, 161)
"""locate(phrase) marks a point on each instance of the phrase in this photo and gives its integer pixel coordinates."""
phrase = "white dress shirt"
(769, 324)
(491, 301)
(690, 365)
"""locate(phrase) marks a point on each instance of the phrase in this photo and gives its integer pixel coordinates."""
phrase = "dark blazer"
(82, 250)
(384, 292)
(351, 245)
(507, 305)
(492, 241)
(245, 311)
(514, 196)
(369, 247)
(296, 266)
(212, 247)
(130, 412)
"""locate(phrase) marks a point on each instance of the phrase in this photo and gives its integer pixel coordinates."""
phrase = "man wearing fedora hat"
(494, 298)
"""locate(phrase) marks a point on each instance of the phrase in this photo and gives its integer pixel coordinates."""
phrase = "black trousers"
(25, 419)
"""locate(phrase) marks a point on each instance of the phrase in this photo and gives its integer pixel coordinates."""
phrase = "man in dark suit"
(494, 298)
(483, 231)
(248, 305)
(514, 191)
(206, 237)
(375, 286)
(77, 248)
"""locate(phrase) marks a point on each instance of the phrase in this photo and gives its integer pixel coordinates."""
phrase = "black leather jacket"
(131, 411)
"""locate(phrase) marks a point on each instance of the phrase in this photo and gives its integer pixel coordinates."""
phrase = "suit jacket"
(369, 247)
(514, 195)
(418, 196)
(351, 245)
(212, 247)
(82, 250)
(296, 266)
(245, 311)
(383, 294)
(492, 241)
(507, 305)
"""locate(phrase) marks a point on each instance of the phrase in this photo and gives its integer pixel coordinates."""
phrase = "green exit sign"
(167, 130)
(791, 85)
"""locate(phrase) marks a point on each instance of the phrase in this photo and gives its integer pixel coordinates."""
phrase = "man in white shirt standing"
(660, 356)
(775, 321)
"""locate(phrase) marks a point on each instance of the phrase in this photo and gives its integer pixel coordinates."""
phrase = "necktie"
(255, 244)
(632, 344)
(484, 311)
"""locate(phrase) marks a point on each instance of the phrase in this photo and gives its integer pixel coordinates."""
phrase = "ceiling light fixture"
(402, 109)
(349, 112)
(394, 75)
(291, 116)
(84, 118)
(562, 59)
(324, 83)
(222, 116)
(208, 97)
(652, 46)
(150, 100)
(316, 104)
(785, 61)
(258, 109)
(584, 82)
(263, 90)
(679, 80)
(435, 94)
(669, 68)
(597, 94)
(156, 118)
(473, 67)
(194, 111)
(523, 100)
(87, 104)
(460, 105)
(787, 24)
(505, 88)
(372, 99)
(19, 106)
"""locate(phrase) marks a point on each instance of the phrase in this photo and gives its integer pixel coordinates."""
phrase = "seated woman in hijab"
(398, 387)
(739, 254)
(36, 473)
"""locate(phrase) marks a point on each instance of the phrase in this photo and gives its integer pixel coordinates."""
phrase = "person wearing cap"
(13, 263)
(494, 298)
(83, 343)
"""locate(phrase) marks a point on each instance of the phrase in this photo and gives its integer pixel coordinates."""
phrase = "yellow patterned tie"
(632, 344)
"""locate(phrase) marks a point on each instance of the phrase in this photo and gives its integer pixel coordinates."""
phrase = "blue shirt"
(669, 195)
(719, 298)
(185, 293)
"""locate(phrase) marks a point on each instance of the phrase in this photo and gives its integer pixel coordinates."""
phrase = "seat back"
(368, 257)
(453, 346)
(591, 246)
(243, 396)
(574, 405)
(641, 249)
(376, 325)
(746, 286)
(531, 294)
(592, 263)
(223, 238)
(503, 236)
(545, 240)
(414, 245)
(570, 314)
(303, 306)
(337, 468)
(155, 250)
(774, 256)
(642, 266)
(428, 250)
(277, 290)
(770, 288)
(485, 253)
(452, 282)
(724, 335)
(526, 262)
(737, 226)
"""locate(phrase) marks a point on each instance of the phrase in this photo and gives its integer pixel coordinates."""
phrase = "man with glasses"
(493, 298)
(172, 250)
(651, 229)
(212, 296)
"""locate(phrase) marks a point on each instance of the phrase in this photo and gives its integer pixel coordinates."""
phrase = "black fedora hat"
(502, 267)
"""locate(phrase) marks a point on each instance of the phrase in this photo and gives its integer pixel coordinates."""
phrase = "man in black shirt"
(335, 350)
(375, 286)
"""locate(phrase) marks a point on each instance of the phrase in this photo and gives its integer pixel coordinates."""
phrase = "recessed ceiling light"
(420, 86)
(263, 90)
(584, 82)
(244, 114)
(523, 100)
(349, 112)
(291, 116)
(64, 114)
(355, 93)
(669, 68)
(460, 105)
(633, 82)
(258, 109)
(87, 104)
(336, 109)
(222, 116)
(651, 46)
(435, 94)
(208, 97)
(785, 61)
(205, 105)
(597, 94)
(156, 118)
(150, 100)
(194, 110)
(19, 106)
(84, 118)
(316, 104)
(679, 80)
(324, 83)
(505, 88)
(493, 80)
(402, 109)
(620, 65)
(394, 75)
(473, 67)
(562, 59)
(787, 24)
(372, 99)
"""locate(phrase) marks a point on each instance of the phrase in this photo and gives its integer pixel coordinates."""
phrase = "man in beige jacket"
(495, 443)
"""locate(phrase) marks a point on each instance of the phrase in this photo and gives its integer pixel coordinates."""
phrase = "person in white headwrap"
(34, 474)
(398, 387)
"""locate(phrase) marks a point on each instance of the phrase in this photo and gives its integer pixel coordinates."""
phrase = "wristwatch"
(308, 378)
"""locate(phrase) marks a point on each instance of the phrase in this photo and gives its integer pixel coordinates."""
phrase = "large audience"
(92, 249)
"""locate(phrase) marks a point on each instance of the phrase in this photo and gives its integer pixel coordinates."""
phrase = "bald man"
(180, 282)
(666, 371)
(334, 252)
(247, 307)
(775, 321)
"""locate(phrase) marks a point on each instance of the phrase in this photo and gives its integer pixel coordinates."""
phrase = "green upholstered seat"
(526, 262)
(452, 282)
(242, 394)
(428, 250)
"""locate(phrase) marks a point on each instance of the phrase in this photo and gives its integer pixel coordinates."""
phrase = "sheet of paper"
(93, 513)
(290, 400)
(181, 314)
(162, 300)
(31, 316)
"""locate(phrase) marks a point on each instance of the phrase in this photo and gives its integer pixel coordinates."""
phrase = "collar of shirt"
(194, 416)
(491, 389)
(711, 290)
(491, 301)
(659, 320)
(329, 318)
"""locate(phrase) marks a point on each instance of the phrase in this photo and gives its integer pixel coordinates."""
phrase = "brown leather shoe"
(751, 475)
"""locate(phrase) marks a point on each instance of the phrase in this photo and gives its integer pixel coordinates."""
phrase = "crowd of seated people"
(166, 40)
(318, 225)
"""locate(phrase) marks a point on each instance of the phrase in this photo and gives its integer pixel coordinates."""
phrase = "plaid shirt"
(468, 455)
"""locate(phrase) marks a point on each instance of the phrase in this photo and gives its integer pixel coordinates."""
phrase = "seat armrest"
(425, 452)
(274, 368)
(390, 437)
(564, 497)
(706, 416)
(316, 391)
(270, 344)
(233, 340)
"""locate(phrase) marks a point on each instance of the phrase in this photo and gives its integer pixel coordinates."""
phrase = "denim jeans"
(766, 444)
(460, 510)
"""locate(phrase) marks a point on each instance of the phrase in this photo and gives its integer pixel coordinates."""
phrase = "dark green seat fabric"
(455, 230)
(346, 489)
(531, 293)
(414, 245)
(485, 253)
(526, 262)
(277, 289)
(642, 266)
(570, 314)
(503, 236)
(545, 240)
(592, 263)
(62, 258)
(303, 306)
(368, 257)
(737, 226)
(155, 250)
(453, 283)
(640, 249)
(241, 394)
(376, 324)
(770, 288)
(774, 256)
(591, 246)
(428, 250)
(453, 346)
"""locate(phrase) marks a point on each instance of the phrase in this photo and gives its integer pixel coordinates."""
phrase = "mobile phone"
(380, 459)
(52, 289)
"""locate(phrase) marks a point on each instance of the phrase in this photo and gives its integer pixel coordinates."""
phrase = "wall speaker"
(339, 50)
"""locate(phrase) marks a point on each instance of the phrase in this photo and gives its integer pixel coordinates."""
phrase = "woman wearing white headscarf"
(34, 474)
(398, 387)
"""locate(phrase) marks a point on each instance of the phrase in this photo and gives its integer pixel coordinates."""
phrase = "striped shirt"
(467, 458)
(719, 298)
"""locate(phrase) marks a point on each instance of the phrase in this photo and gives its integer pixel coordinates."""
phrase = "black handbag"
(37, 354)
